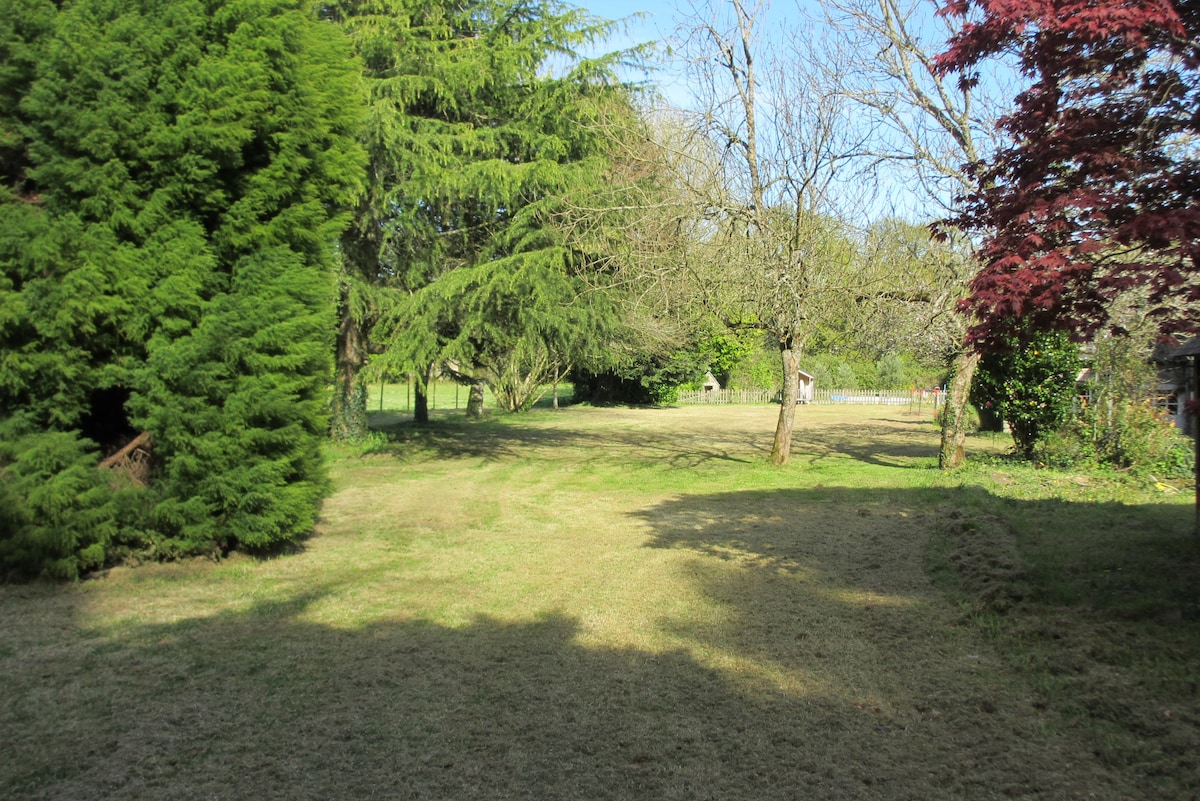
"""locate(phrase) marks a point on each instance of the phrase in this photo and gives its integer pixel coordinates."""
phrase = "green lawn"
(630, 604)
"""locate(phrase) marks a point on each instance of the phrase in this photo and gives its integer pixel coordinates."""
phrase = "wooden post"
(1191, 350)
(142, 440)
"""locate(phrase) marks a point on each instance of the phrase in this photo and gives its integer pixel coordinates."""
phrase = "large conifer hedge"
(172, 174)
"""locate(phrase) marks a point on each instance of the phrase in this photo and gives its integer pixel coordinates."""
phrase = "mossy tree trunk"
(954, 417)
(348, 413)
(475, 400)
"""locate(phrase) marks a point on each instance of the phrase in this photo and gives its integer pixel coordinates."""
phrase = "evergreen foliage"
(758, 370)
(1030, 385)
(59, 513)
(851, 370)
(645, 379)
(172, 175)
(473, 141)
(723, 350)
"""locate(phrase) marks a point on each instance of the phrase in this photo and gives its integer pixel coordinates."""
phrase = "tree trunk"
(420, 404)
(421, 396)
(475, 400)
(348, 418)
(781, 449)
(954, 416)
(1196, 436)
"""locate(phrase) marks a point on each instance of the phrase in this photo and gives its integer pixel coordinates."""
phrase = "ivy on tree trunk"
(952, 452)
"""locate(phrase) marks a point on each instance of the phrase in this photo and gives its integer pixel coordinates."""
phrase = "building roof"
(1190, 348)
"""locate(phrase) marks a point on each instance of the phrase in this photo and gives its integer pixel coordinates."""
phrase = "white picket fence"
(883, 397)
(887, 397)
(744, 396)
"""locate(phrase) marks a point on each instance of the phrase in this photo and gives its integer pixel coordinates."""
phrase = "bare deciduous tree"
(878, 55)
(756, 163)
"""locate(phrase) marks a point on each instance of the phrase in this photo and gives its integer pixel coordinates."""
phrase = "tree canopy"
(1096, 193)
(174, 175)
(481, 117)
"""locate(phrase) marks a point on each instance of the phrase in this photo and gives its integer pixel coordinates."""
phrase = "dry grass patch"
(591, 604)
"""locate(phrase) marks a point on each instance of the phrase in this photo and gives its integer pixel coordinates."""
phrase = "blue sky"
(661, 15)
(659, 20)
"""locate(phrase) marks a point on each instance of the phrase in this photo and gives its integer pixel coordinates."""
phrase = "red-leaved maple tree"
(1099, 192)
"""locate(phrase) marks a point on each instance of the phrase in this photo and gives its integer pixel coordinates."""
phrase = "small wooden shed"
(711, 384)
(805, 394)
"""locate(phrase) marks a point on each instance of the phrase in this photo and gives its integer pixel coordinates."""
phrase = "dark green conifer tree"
(472, 142)
(173, 177)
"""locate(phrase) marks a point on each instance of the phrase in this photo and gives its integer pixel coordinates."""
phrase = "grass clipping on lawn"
(630, 604)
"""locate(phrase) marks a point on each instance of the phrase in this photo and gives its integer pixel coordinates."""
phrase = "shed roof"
(1189, 348)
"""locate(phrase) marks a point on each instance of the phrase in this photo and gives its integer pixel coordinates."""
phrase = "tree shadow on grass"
(828, 668)
(514, 438)
(686, 450)
(837, 582)
(876, 442)
(824, 665)
(458, 437)
(639, 438)
(265, 704)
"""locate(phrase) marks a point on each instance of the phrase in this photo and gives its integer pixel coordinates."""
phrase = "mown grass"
(1090, 586)
(630, 604)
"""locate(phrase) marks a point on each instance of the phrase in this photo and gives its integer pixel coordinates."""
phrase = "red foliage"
(1099, 191)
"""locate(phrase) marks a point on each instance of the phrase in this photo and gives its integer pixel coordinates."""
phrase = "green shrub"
(58, 513)
(1030, 385)
(652, 379)
(1118, 425)
(833, 372)
(892, 372)
(1132, 436)
(758, 369)
(171, 177)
